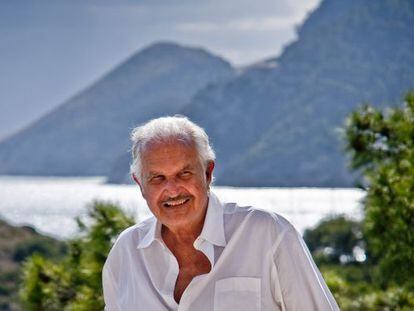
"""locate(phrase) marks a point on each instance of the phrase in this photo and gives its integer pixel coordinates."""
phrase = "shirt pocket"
(237, 293)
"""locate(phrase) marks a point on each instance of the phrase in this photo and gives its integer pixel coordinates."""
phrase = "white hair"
(167, 129)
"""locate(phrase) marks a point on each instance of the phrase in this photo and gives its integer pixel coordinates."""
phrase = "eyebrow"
(187, 167)
(152, 174)
(155, 173)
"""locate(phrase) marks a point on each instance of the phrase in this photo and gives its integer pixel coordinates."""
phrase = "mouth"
(175, 202)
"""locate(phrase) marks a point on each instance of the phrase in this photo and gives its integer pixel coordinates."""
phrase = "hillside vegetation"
(16, 244)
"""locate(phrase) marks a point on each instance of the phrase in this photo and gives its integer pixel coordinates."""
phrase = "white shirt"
(258, 260)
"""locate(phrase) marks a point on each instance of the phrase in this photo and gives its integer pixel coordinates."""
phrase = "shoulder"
(273, 231)
(255, 215)
(125, 247)
(256, 220)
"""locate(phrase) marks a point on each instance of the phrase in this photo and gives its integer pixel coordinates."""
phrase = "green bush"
(44, 247)
(334, 240)
(358, 295)
(381, 146)
(381, 149)
(75, 283)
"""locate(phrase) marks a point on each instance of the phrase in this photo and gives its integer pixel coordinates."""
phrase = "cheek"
(149, 193)
(200, 189)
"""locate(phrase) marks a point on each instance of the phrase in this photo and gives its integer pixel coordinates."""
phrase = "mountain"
(276, 124)
(88, 133)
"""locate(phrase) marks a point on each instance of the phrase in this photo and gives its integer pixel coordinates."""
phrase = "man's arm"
(110, 289)
(300, 282)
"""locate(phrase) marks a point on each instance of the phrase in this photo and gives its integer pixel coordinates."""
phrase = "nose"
(172, 188)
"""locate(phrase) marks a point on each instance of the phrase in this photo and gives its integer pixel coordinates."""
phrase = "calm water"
(50, 204)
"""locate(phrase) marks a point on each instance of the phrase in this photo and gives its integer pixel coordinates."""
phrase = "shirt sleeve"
(300, 283)
(110, 289)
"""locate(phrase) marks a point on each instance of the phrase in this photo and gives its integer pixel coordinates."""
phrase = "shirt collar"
(154, 233)
(213, 228)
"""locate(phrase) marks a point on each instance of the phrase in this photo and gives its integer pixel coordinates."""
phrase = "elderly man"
(197, 253)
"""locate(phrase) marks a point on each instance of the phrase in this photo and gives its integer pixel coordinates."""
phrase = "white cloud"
(251, 24)
(197, 27)
(259, 23)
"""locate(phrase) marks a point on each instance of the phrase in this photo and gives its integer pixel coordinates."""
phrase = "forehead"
(168, 156)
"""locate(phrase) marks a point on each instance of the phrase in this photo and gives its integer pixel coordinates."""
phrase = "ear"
(209, 171)
(135, 178)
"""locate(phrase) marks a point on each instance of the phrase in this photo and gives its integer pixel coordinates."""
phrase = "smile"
(174, 203)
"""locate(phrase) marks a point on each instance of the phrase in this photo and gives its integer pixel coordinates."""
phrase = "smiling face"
(175, 184)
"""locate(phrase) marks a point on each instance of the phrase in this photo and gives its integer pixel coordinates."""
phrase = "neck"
(186, 235)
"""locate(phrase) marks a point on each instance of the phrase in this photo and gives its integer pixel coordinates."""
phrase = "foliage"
(335, 240)
(352, 282)
(75, 282)
(354, 295)
(16, 244)
(38, 245)
(381, 146)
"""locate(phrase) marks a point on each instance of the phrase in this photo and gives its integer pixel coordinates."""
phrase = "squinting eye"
(156, 179)
(186, 174)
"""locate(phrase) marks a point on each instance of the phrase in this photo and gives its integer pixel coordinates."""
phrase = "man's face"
(175, 184)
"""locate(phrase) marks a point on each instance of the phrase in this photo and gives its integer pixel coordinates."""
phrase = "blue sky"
(49, 50)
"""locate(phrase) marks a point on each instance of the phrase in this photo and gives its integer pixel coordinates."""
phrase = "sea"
(51, 204)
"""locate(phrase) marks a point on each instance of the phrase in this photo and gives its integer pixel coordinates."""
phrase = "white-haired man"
(197, 253)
